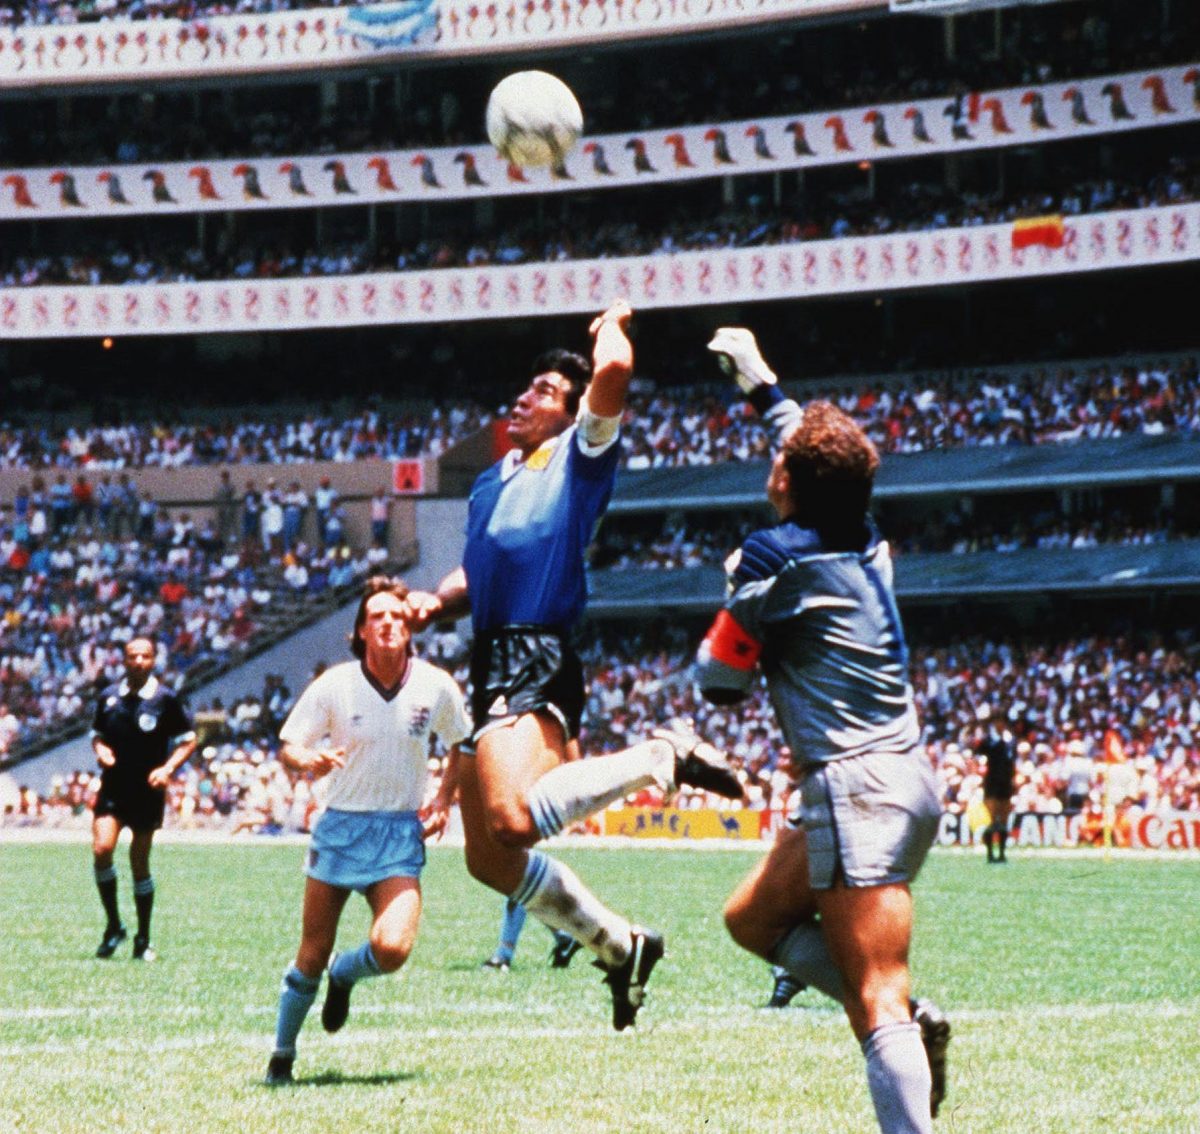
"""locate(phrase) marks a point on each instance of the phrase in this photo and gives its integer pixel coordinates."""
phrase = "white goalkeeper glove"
(738, 354)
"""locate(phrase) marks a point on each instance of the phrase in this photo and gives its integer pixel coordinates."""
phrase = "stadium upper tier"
(313, 39)
(845, 70)
(780, 263)
(1018, 116)
(996, 430)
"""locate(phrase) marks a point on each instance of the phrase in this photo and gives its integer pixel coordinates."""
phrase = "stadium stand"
(693, 221)
(1059, 696)
(974, 442)
(879, 60)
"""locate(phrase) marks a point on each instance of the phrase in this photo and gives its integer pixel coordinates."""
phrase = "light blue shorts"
(354, 849)
(869, 819)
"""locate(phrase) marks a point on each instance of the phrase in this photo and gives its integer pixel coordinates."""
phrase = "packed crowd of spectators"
(311, 436)
(776, 74)
(1061, 702)
(667, 429)
(692, 540)
(76, 583)
(915, 414)
(590, 230)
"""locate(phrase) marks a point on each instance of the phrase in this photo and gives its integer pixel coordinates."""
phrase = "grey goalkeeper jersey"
(825, 629)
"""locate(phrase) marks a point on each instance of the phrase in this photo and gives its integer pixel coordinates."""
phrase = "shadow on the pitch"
(341, 1079)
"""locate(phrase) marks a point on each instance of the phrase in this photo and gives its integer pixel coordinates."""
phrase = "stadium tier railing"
(313, 39)
(1016, 116)
(1127, 238)
(931, 577)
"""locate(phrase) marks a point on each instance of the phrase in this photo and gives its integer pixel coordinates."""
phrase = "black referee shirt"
(139, 727)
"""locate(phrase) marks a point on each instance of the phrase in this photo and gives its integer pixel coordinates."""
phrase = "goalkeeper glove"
(738, 354)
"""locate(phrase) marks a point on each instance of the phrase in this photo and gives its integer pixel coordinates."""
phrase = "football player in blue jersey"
(529, 521)
(811, 604)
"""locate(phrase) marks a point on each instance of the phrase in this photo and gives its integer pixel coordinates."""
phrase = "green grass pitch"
(1073, 985)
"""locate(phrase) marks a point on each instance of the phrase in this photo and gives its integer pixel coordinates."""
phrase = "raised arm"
(612, 360)
(737, 351)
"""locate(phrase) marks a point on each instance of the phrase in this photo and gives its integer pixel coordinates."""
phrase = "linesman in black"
(141, 735)
(996, 746)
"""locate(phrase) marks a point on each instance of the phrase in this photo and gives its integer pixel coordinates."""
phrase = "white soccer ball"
(533, 119)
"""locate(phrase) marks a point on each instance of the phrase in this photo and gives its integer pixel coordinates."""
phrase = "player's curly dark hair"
(831, 465)
(573, 367)
(375, 585)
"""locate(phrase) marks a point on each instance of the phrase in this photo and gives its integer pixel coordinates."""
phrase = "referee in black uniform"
(138, 722)
(996, 746)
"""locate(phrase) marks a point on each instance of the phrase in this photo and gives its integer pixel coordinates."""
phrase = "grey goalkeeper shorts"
(868, 819)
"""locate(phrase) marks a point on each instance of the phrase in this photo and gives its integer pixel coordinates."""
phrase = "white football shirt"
(386, 739)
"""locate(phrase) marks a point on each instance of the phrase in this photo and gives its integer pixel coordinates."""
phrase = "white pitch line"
(698, 1020)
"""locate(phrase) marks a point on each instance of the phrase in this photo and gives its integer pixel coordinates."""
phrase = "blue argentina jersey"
(528, 527)
(825, 628)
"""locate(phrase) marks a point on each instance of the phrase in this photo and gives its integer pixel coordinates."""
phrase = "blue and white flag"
(391, 24)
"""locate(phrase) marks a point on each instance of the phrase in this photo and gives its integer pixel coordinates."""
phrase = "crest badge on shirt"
(540, 458)
(418, 720)
(147, 721)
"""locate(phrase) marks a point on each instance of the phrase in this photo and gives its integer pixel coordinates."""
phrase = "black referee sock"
(106, 883)
(143, 898)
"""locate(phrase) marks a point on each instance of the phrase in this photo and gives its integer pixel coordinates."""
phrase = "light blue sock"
(803, 953)
(898, 1075)
(296, 996)
(510, 931)
(354, 966)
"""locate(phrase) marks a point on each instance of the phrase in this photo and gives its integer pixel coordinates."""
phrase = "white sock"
(898, 1075)
(582, 787)
(554, 894)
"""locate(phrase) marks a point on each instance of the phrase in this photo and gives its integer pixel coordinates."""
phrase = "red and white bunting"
(1018, 116)
(308, 39)
(1131, 238)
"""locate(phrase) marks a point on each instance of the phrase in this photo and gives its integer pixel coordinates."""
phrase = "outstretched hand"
(737, 351)
(618, 312)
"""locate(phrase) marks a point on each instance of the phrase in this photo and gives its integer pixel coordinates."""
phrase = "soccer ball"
(533, 119)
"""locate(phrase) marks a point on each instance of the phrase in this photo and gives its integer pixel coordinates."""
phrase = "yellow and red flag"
(1046, 231)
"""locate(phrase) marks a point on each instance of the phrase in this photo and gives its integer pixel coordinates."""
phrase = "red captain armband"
(729, 644)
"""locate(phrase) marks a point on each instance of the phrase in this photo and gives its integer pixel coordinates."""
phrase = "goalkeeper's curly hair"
(831, 465)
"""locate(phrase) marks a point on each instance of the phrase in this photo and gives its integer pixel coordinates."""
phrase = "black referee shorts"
(139, 809)
(525, 669)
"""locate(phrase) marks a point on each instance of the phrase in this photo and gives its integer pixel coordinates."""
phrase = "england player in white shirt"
(368, 726)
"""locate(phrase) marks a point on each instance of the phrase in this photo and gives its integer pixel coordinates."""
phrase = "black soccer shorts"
(139, 809)
(525, 669)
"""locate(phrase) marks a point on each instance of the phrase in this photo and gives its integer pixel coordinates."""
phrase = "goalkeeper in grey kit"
(811, 605)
